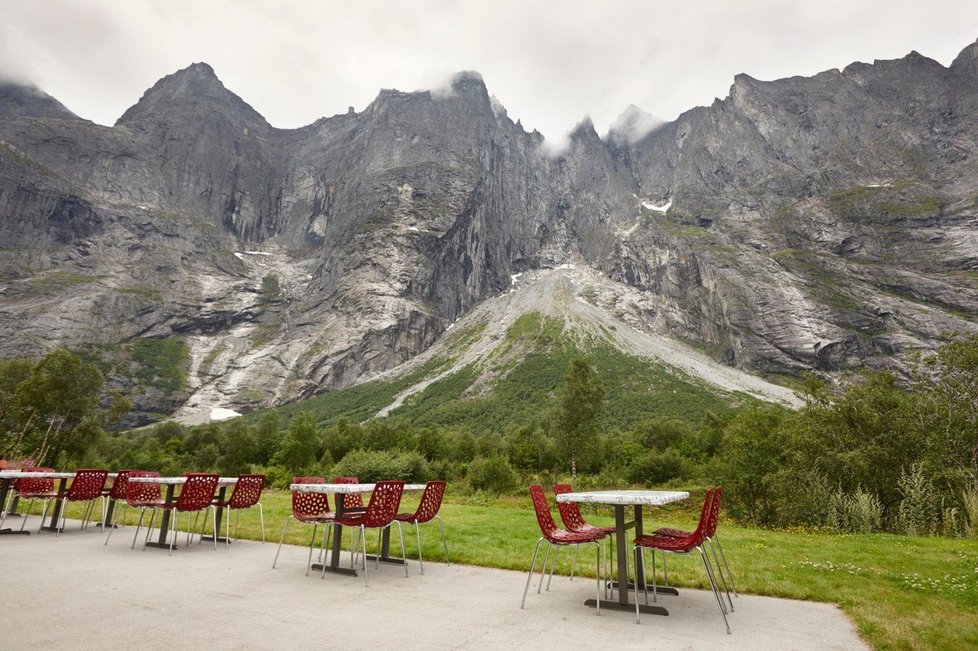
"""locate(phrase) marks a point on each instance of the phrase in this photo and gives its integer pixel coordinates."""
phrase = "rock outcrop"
(819, 223)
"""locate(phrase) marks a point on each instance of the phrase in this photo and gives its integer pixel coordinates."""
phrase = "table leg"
(334, 553)
(164, 522)
(56, 511)
(624, 586)
(4, 489)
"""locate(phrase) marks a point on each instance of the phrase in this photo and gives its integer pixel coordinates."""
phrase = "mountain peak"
(29, 101)
(190, 88)
(967, 61)
(632, 125)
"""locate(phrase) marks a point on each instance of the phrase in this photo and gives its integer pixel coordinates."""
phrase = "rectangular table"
(346, 489)
(619, 500)
(7, 478)
(171, 483)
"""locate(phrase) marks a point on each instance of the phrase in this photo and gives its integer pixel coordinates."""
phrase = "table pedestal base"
(349, 571)
(617, 605)
(659, 589)
(13, 532)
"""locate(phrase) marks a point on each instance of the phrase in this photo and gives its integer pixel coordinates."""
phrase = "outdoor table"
(7, 478)
(344, 489)
(619, 500)
(171, 483)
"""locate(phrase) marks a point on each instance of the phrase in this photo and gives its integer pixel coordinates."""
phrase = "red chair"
(117, 494)
(87, 486)
(196, 495)
(556, 538)
(711, 537)
(32, 490)
(246, 493)
(140, 496)
(380, 514)
(684, 545)
(309, 508)
(570, 515)
(427, 511)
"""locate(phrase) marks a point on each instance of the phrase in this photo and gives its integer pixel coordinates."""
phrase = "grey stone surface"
(819, 223)
(73, 592)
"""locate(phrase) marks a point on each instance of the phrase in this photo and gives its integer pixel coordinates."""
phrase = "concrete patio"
(74, 593)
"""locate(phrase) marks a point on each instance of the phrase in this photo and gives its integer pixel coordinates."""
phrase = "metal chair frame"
(556, 538)
(682, 546)
(313, 517)
(39, 495)
(427, 511)
(380, 514)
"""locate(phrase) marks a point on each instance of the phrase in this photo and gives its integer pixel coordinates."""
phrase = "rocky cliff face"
(807, 223)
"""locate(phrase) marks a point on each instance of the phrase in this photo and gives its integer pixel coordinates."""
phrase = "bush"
(970, 500)
(920, 511)
(858, 512)
(275, 476)
(492, 474)
(370, 466)
(655, 467)
(805, 499)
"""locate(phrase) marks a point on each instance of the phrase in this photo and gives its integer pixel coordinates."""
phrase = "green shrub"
(376, 465)
(970, 500)
(920, 511)
(491, 474)
(857, 512)
(275, 476)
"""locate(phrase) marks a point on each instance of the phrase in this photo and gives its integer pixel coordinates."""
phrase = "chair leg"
(400, 533)
(417, 532)
(716, 591)
(44, 513)
(553, 566)
(577, 550)
(444, 539)
(312, 541)
(322, 550)
(597, 572)
(59, 529)
(214, 525)
(261, 519)
(719, 572)
(533, 563)
(281, 540)
(142, 512)
(665, 570)
(363, 540)
(637, 552)
(727, 567)
(149, 529)
(173, 529)
(543, 569)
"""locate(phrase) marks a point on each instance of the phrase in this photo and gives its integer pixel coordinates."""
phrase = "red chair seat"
(672, 533)
(561, 537)
(665, 543)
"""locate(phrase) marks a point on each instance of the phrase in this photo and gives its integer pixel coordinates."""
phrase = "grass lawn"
(902, 592)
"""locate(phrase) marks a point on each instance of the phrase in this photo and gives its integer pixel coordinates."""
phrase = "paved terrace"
(74, 593)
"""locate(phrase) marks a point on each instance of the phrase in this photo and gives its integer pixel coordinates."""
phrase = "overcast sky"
(549, 63)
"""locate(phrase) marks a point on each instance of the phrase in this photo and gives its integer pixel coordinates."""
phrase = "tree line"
(872, 452)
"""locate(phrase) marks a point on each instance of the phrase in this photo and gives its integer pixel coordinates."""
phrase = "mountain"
(207, 259)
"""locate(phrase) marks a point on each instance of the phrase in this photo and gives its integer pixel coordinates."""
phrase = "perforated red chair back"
(351, 501)
(384, 502)
(29, 486)
(118, 490)
(570, 512)
(247, 491)
(711, 525)
(142, 493)
(197, 492)
(305, 505)
(430, 503)
(702, 527)
(544, 518)
(87, 484)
